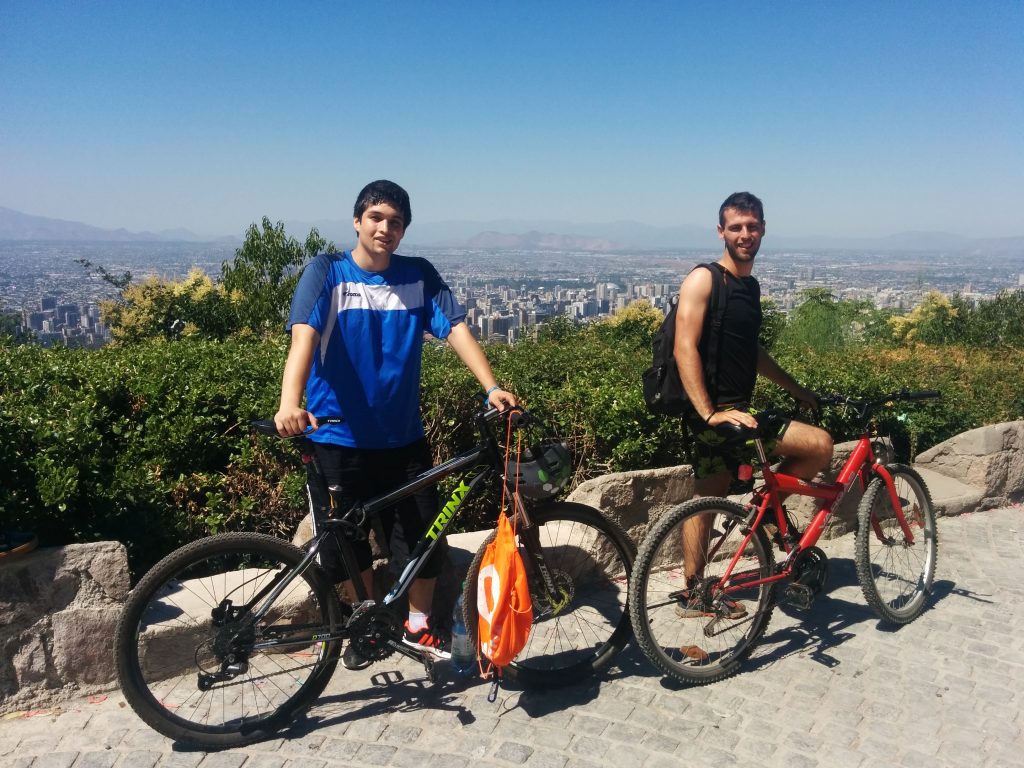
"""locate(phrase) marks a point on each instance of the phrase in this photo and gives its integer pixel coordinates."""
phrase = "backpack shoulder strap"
(717, 305)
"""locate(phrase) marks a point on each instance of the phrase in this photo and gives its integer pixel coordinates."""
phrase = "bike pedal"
(799, 596)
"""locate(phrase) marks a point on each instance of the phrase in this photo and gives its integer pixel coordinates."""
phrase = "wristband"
(495, 388)
(711, 413)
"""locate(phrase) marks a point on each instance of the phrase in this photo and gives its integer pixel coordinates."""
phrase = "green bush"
(149, 443)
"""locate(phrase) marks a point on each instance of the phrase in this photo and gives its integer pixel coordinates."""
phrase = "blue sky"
(846, 118)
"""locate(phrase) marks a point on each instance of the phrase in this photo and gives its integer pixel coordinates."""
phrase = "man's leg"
(807, 450)
(421, 595)
(697, 530)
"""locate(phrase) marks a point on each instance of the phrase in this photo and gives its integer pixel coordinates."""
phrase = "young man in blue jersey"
(357, 324)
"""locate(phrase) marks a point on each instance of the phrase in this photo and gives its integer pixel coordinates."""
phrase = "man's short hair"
(742, 201)
(383, 191)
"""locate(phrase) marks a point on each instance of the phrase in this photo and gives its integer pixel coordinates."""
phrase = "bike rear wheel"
(896, 575)
(685, 626)
(190, 657)
(578, 631)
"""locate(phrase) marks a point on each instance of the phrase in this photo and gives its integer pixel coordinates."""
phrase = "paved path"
(943, 691)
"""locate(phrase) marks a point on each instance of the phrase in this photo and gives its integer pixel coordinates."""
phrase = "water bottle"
(463, 661)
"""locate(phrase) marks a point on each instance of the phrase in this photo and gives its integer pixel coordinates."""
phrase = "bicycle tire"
(166, 639)
(706, 645)
(895, 578)
(591, 558)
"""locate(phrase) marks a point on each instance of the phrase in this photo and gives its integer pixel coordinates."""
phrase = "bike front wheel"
(684, 623)
(577, 630)
(197, 666)
(896, 571)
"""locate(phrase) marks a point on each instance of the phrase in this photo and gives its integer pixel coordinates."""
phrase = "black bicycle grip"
(269, 428)
(924, 394)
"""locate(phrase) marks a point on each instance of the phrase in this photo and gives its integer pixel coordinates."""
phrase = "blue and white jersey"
(371, 326)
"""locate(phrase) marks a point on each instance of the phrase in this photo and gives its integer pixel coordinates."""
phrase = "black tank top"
(737, 363)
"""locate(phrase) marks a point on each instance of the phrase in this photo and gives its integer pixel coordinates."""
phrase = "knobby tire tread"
(130, 677)
(866, 537)
(649, 548)
(522, 673)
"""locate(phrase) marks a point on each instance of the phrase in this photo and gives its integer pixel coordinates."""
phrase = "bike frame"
(479, 464)
(861, 465)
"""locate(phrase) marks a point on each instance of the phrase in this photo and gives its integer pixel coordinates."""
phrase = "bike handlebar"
(865, 406)
(520, 418)
(269, 428)
(899, 394)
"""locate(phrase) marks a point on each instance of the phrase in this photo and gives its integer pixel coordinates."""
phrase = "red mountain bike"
(699, 607)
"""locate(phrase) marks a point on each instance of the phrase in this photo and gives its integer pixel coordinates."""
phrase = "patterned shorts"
(711, 454)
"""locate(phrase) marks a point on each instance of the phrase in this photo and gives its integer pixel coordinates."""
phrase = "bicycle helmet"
(544, 469)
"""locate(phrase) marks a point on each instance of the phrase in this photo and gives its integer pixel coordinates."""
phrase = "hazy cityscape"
(55, 294)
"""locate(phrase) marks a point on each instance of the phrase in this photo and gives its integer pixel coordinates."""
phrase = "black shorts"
(364, 473)
(711, 454)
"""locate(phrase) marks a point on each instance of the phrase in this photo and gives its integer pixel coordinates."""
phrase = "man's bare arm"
(771, 370)
(469, 351)
(291, 418)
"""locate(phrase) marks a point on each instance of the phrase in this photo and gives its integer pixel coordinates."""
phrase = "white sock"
(417, 621)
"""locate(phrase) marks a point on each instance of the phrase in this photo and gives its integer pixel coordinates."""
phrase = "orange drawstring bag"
(504, 607)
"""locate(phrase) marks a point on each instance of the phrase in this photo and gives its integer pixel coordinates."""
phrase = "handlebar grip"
(924, 394)
(518, 416)
(265, 427)
(269, 428)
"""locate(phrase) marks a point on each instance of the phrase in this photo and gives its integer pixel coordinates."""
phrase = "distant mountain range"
(525, 235)
(15, 225)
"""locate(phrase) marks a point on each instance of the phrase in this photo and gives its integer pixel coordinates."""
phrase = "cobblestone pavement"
(826, 687)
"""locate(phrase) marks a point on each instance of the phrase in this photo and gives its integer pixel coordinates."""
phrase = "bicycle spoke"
(196, 665)
(685, 624)
(895, 575)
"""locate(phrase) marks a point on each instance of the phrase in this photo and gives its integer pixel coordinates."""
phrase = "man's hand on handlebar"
(294, 421)
(501, 399)
(806, 399)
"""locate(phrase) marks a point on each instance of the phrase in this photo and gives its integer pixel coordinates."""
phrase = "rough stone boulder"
(60, 607)
(987, 458)
(636, 499)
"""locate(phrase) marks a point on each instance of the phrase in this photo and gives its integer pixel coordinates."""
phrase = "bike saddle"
(733, 432)
(769, 422)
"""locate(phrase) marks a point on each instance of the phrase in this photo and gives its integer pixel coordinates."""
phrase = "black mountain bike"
(225, 640)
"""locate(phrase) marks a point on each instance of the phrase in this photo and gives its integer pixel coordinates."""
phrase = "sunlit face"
(380, 229)
(742, 233)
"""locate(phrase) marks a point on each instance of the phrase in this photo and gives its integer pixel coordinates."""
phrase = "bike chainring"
(810, 569)
(370, 630)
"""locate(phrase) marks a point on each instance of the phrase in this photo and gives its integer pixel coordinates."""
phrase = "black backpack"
(663, 391)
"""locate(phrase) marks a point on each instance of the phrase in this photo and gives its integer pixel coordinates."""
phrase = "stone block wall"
(59, 609)
(989, 458)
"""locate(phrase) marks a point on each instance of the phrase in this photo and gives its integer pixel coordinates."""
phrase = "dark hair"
(383, 191)
(742, 201)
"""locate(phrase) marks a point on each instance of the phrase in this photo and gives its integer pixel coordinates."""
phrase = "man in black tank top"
(807, 449)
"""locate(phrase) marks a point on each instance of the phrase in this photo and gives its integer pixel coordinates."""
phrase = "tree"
(635, 323)
(999, 321)
(195, 306)
(816, 324)
(262, 277)
(773, 322)
(9, 328)
(936, 320)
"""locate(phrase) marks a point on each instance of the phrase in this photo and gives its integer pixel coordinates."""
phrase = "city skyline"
(859, 120)
(503, 296)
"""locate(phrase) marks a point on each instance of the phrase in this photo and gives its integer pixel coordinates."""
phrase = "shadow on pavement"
(389, 691)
